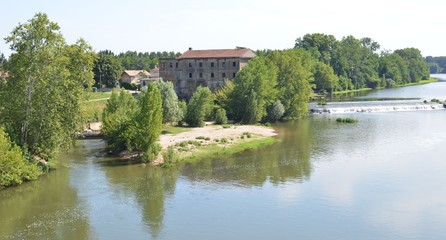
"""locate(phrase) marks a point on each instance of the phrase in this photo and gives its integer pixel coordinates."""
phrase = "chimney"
(190, 48)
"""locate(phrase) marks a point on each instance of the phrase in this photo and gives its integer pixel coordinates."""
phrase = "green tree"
(294, 80)
(324, 77)
(223, 97)
(117, 122)
(321, 46)
(199, 107)
(148, 123)
(275, 111)
(171, 109)
(220, 116)
(107, 70)
(45, 89)
(14, 168)
(418, 68)
(260, 77)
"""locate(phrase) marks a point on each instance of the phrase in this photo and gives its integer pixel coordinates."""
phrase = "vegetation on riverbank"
(346, 120)
(207, 148)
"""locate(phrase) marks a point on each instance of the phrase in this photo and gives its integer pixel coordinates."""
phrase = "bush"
(346, 120)
(224, 140)
(129, 86)
(169, 155)
(220, 116)
(14, 167)
(276, 111)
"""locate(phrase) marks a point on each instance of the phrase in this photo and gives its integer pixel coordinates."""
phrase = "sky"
(176, 25)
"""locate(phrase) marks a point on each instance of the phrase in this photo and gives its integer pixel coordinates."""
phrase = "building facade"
(134, 76)
(203, 68)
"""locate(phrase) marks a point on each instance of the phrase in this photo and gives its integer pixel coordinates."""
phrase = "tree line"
(436, 64)
(357, 64)
(109, 66)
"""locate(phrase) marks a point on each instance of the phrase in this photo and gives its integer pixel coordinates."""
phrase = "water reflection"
(44, 209)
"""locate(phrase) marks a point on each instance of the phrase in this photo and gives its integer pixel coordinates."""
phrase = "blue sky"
(175, 25)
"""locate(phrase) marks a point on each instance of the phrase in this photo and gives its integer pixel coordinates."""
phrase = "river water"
(381, 178)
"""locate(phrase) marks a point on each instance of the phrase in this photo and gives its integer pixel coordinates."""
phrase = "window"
(223, 75)
(223, 64)
(201, 75)
(234, 64)
(176, 65)
(212, 75)
(233, 75)
(170, 65)
(200, 64)
(190, 65)
(212, 64)
(190, 75)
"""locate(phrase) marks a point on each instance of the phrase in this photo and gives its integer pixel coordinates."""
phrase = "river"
(381, 178)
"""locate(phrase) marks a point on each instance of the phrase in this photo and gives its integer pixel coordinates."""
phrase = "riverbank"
(214, 141)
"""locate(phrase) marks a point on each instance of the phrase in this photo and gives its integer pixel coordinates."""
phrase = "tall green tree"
(199, 107)
(171, 109)
(44, 92)
(418, 68)
(324, 77)
(321, 46)
(117, 122)
(148, 123)
(260, 77)
(294, 80)
(107, 70)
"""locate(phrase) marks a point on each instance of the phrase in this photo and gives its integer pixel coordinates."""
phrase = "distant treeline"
(436, 64)
(109, 66)
(357, 63)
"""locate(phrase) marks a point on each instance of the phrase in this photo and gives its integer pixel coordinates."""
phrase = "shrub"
(200, 137)
(224, 140)
(276, 111)
(226, 126)
(169, 155)
(346, 120)
(220, 116)
(129, 86)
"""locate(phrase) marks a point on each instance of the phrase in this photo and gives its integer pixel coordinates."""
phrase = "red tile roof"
(218, 53)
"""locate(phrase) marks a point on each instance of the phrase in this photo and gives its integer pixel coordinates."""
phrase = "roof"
(218, 53)
(133, 73)
(155, 72)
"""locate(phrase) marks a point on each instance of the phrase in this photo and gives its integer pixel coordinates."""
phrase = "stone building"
(134, 76)
(203, 67)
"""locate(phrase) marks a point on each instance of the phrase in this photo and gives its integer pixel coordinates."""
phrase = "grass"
(93, 110)
(97, 95)
(217, 150)
(430, 80)
(167, 129)
(350, 91)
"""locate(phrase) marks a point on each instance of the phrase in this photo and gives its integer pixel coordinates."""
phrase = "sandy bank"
(215, 132)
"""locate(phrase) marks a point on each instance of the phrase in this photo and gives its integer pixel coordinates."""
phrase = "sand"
(215, 132)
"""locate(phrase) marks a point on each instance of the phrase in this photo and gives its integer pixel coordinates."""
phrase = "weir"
(375, 106)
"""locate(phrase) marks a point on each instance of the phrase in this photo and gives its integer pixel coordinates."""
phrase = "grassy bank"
(352, 91)
(226, 149)
(430, 80)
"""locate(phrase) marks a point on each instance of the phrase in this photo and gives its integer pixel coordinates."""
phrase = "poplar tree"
(148, 123)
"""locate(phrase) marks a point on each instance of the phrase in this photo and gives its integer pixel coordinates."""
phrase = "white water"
(375, 106)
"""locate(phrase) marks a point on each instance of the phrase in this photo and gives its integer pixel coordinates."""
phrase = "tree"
(45, 89)
(294, 80)
(260, 77)
(107, 70)
(171, 109)
(14, 168)
(324, 77)
(117, 122)
(276, 111)
(418, 68)
(199, 107)
(220, 116)
(321, 46)
(148, 123)
(223, 97)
